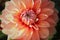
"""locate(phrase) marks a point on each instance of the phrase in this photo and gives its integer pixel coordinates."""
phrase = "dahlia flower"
(29, 19)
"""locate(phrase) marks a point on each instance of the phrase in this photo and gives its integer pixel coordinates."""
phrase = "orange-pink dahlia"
(29, 19)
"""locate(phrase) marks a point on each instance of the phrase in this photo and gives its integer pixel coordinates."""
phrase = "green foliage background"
(56, 36)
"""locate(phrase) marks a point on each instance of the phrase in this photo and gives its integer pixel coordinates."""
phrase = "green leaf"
(2, 36)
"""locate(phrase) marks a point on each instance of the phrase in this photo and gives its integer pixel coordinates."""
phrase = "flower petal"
(9, 31)
(4, 12)
(50, 5)
(44, 32)
(37, 4)
(52, 31)
(42, 16)
(3, 17)
(47, 4)
(47, 11)
(16, 33)
(43, 24)
(28, 34)
(6, 17)
(55, 16)
(11, 8)
(52, 22)
(7, 26)
(28, 3)
(44, 3)
(20, 33)
(24, 34)
(35, 35)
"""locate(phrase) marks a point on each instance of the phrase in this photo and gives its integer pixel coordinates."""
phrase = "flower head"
(29, 19)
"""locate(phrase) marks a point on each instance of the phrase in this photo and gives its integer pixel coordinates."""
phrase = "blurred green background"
(57, 6)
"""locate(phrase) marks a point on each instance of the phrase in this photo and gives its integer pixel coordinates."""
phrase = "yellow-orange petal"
(9, 31)
(27, 35)
(10, 8)
(4, 18)
(27, 3)
(19, 4)
(17, 34)
(20, 33)
(7, 26)
(44, 33)
(7, 17)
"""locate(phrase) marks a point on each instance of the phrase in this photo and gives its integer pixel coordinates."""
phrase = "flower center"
(28, 17)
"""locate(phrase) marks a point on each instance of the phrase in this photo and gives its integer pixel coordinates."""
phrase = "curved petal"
(20, 33)
(11, 8)
(47, 4)
(27, 35)
(4, 12)
(43, 24)
(24, 34)
(7, 26)
(51, 21)
(28, 3)
(37, 4)
(44, 3)
(9, 31)
(19, 4)
(52, 31)
(50, 5)
(4, 18)
(44, 32)
(42, 16)
(47, 11)
(14, 6)
(35, 35)
(55, 16)
(16, 33)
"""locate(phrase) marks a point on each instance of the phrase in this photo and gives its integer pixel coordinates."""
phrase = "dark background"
(57, 6)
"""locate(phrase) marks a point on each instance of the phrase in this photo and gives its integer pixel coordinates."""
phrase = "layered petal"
(27, 35)
(27, 3)
(47, 4)
(50, 5)
(45, 13)
(43, 24)
(35, 35)
(44, 33)
(42, 19)
(44, 3)
(11, 8)
(37, 4)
